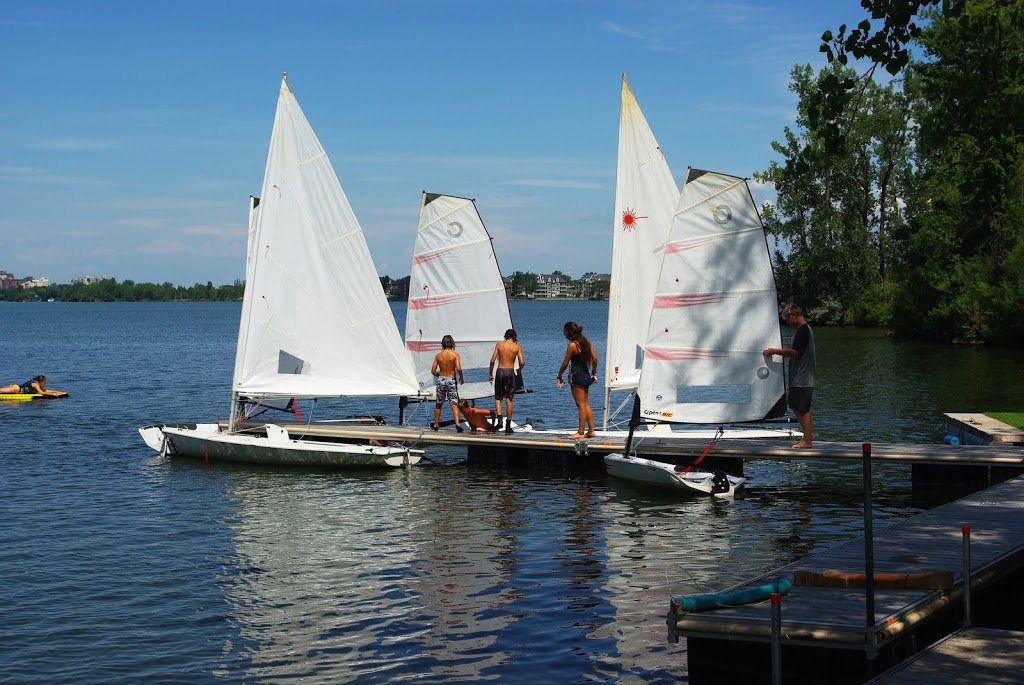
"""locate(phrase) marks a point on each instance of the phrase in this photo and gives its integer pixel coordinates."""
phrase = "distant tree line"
(110, 290)
(901, 204)
(524, 284)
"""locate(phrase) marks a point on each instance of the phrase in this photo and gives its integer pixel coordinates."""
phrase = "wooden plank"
(976, 655)
(927, 580)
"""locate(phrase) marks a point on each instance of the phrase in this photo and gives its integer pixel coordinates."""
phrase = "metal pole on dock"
(776, 599)
(869, 558)
(967, 576)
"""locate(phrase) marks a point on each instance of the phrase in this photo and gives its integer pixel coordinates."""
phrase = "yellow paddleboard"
(19, 397)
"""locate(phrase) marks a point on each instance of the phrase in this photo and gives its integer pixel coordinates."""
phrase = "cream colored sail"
(455, 288)
(315, 321)
(714, 312)
(645, 199)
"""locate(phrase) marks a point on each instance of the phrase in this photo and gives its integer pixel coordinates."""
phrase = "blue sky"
(132, 133)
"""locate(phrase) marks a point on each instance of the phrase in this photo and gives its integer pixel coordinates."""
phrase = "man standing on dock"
(801, 369)
(507, 352)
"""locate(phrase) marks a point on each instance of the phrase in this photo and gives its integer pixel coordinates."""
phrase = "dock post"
(869, 562)
(967, 576)
(776, 599)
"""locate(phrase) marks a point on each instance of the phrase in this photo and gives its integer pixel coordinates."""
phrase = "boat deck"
(834, 618)
(665, 445)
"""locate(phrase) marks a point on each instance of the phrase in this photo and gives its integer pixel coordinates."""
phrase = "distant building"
(89, 280)
(7, 280)
(399, 289)
(587, 281)
(35, 282)
(553, 285)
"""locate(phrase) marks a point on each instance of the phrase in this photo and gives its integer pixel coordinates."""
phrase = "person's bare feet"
(576, 436)
(591, 434)
(803, 444)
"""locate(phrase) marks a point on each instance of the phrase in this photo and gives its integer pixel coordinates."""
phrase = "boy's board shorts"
(800, 398)
(446, 391)
(504, 384)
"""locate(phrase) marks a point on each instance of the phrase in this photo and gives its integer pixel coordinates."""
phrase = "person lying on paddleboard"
(35, 385)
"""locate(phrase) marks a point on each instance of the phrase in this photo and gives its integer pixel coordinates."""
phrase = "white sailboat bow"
(645, 199)
(455, 288)
(315, 321)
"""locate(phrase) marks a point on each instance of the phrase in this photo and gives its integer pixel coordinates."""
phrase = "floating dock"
(934, 466)
(825, 635)
(979, 429)
(659, 444)
(968, 657)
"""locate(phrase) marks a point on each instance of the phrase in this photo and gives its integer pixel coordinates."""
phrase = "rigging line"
(707, 449)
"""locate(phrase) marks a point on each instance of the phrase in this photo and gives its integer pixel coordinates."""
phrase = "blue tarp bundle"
(733, 599)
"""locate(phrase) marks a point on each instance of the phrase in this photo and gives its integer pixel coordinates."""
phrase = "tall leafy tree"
(963, 257)
(835, 204)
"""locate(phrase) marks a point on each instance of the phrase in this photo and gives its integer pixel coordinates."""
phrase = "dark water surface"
(119, 566)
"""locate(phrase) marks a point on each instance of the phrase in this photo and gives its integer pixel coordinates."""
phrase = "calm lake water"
(120, 566)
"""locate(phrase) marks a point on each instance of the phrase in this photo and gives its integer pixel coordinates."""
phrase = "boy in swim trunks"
(507, 353)
(446, 364)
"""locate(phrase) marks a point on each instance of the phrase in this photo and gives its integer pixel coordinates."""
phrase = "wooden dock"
(825, 637)
(668, 446)
(968, 657)
(979, 429)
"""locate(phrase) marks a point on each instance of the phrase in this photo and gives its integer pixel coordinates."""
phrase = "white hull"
(205, 441)
(639, 470)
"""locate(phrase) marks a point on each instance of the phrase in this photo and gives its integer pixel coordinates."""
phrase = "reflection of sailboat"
(645, 198)
(315, 322)
(455, 289)
(715, 310)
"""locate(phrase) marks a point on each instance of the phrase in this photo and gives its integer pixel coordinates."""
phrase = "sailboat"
(455, 288)
(315, 322)
(645, 200)
(714, 312)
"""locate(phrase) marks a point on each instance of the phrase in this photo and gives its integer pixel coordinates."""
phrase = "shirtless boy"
(446, 364)
(507, 353)
(479, 420)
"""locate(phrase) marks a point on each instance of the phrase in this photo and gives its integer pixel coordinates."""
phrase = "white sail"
(315, 321)
(645, 199)
(714, 312)
(455, 289)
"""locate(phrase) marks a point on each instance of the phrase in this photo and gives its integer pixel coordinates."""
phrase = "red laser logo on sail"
(629, 219)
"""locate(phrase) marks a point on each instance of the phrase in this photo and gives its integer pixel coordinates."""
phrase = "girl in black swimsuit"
(581, 359)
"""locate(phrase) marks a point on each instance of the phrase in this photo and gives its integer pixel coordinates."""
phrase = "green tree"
(962, 258)
(524, 283)
(836, 98)
(834, 205)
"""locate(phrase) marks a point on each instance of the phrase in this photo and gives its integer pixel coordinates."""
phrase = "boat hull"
(276, 448)
(662, 475)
